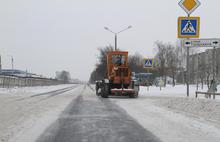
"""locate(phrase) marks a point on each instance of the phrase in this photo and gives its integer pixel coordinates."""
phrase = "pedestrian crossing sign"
(148, 63)
(188, 27)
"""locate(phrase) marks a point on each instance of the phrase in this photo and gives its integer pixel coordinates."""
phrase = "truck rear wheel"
(105, 90)
(133, 95)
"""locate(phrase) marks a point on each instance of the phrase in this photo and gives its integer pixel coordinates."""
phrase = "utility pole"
(115, 42)
(12, 63)
(0, 64)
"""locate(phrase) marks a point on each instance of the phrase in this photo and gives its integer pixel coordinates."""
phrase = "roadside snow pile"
(174, 98)
(23, 118)
(168, 124)
(31, 90)
(177, 91)
(204, 108)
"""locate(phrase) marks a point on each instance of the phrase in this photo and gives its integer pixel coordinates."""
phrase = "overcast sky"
(45, 36)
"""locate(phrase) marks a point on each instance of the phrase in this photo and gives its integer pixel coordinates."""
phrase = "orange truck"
(118, 80)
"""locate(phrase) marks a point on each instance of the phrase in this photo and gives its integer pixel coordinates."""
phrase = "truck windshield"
(118, 59)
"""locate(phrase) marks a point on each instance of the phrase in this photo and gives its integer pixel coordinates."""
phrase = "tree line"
(169, 61)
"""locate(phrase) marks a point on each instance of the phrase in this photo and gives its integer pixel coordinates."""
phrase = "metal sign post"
(188, 28)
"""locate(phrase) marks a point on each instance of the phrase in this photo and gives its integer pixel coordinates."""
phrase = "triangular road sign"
(148, 63)
(189, 28)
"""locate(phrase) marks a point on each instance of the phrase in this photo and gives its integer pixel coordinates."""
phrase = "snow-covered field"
(172, 116)
(23, 116)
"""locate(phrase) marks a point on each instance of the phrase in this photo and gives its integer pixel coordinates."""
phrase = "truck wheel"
(97, 92)
(135, 95)
(105, 91)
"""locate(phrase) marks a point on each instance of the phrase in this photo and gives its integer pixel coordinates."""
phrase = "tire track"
(89, 119)
(49, 94)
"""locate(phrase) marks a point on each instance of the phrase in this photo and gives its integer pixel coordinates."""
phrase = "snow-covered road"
(92, 119)
(28, 113)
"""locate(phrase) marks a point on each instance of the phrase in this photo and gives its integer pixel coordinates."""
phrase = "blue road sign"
(188, 27)
(148, 63)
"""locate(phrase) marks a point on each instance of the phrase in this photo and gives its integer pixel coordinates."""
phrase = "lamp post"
(12, 62)
(116, 33)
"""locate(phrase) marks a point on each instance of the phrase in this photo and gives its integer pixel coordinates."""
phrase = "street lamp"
(116, 33)
(12, 62)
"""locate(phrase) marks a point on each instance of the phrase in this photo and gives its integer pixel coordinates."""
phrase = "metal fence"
(12, 81)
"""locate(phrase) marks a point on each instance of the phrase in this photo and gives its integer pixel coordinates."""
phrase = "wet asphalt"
(92, 119)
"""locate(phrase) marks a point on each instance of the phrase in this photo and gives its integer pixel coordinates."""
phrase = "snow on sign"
(189, 5)
(188, 27)
(148, 63)
(214, 42)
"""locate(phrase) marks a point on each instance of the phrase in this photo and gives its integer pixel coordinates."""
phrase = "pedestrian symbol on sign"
(188, 28)
(148, 63)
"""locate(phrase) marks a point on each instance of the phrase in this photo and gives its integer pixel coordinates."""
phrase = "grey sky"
(45, 36)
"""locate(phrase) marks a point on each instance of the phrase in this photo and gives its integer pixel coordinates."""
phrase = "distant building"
(201, 66)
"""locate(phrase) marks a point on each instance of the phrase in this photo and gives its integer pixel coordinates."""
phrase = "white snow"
(173, 117)
(177, 91)
(168, 114)
(21, 91)
(24, 118)
(170, 126)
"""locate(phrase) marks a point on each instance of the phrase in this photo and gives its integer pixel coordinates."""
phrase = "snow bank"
(203, 108)
(24, 118)
(172, 116)
(175, 98)
(18, 91)
(177, 91)
(167, 125)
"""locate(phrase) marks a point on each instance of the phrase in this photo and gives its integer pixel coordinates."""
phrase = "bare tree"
(136, 63)
(161, 58)
(201, 67)
(101, 67)
(63, 76)
(171, 61)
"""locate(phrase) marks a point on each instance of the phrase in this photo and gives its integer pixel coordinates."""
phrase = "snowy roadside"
(177, 91)
(21, 91)
(175, 98)
(173, 117)
(168, 125)
(24, 118)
